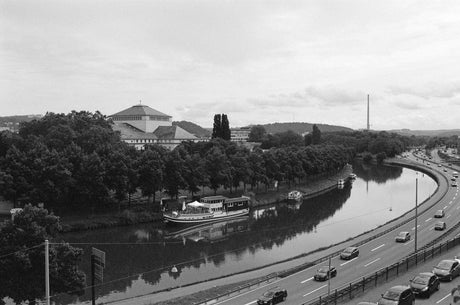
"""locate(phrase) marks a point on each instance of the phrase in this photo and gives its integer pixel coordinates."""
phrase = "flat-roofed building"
(240, 134)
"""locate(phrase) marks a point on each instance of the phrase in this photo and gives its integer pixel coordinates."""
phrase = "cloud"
(313, 96)
(427, 91)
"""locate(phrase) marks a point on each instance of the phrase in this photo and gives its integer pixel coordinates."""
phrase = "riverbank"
(143, 213)
(217, 288)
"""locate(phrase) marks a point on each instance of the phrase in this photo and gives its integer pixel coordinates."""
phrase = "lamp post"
(416, 214)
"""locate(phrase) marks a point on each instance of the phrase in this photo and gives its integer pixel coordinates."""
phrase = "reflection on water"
(142, 256)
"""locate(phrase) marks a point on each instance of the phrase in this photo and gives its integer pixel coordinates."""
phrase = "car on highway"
(324, 273)
(424, 284)
(439, 214)
(397, 295)
(440, 226)
(453, 179)
(366, 303)
(455, 174)
(349, 253)
(447, 269)
(272, 296)
(445, 170)
(403, 237)
(439, 165)
(454, 183)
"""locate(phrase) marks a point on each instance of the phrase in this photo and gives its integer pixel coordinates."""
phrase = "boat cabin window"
(230, 204)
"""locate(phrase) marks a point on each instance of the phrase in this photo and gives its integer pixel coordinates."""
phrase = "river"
(139, 258)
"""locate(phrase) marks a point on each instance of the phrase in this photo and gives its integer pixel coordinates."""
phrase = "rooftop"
(140, 110)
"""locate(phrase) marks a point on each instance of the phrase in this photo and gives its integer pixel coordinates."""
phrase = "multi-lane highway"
(375, 254)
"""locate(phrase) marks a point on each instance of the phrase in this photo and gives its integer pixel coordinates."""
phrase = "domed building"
(141, 125)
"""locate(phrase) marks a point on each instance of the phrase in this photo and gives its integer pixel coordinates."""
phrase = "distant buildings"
(240, 134)
(141, 125)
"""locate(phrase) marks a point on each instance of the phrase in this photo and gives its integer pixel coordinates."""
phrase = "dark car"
(439, 214)
(324, 273)
(447, 269)
(273, 296)
(403, 237)
(397, 295)
(440, 226)
(424, 284)
(349, 253)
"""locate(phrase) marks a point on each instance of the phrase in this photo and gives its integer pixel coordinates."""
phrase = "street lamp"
(416, 214)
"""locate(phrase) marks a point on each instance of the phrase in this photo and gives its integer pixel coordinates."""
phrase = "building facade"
(141, 125)
(240, 134)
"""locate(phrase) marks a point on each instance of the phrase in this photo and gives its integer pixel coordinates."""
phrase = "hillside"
(301, 128)
(430, 133)
(193, 128)
(12, 122)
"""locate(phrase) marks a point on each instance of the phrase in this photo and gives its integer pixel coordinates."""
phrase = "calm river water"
(139, 258)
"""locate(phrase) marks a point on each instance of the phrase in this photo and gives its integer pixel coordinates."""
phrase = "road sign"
(99, 257)
(98, 272)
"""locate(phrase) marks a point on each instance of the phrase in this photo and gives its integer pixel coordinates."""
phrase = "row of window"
(139, 118)
(230, 204)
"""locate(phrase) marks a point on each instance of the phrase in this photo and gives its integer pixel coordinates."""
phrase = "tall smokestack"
(368, 126)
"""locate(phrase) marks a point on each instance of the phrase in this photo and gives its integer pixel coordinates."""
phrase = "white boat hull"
(204, 218)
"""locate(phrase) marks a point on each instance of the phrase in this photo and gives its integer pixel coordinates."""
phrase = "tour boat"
(209, 209)
(210, 232)
(294, 195)
(352, 176)
(341, 182)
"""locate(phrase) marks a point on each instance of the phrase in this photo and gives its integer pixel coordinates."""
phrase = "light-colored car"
(403, 237)
(440, 226)
(447, 269)
(439, 214)
(349, 253)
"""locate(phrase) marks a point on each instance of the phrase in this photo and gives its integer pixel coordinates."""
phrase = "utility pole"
(47, 273)
(368, 125)
(329, 278)
(416, 214)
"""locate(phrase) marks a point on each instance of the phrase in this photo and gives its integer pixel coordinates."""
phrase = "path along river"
(139, 259)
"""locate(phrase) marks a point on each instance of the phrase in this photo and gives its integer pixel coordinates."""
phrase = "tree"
(225, 127)
(316, 135)
(22, 257)
(151, 171)
(174, 174)
(257, 133)
(307, 139)
(221, 127)
(217, 127)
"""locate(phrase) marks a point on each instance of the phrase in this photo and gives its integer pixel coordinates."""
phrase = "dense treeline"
(382, 144)
(77, 160)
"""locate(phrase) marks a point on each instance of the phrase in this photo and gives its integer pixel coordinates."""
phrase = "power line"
(22, 250)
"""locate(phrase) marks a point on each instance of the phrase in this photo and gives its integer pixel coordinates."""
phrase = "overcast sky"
(256, 61)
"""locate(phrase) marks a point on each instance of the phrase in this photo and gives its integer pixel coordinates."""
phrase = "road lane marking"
(343, 264)
(444, 207)
(443, 299)
(375, 260)
(378, 247)
(306, 280)
(409, 242)
(428, 219)
(432, 228)
(448, 216)
(414, 227)
(251, 302)
(314, 290)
